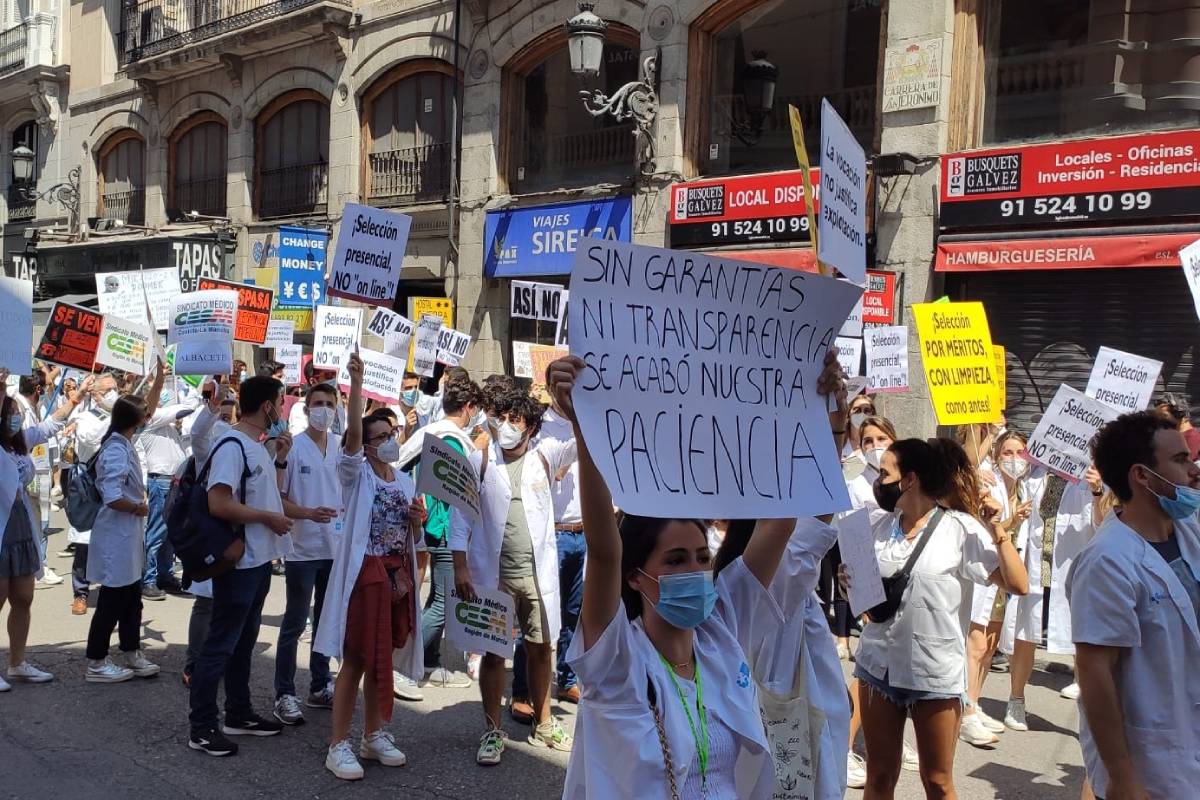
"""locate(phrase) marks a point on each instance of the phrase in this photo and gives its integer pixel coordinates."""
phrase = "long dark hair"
(737, 536)
(639, 537)
(12, 442)
(943, 470)
(128, 412)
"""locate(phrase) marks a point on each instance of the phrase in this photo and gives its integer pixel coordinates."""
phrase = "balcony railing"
(14, 43)
(601, 147)
(205, 195)
(301, 189)
(1039, 73)
(129, 206)
(20, 208)
(410, 175)
(155, 26)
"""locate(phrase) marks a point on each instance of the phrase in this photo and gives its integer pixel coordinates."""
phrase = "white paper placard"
(887, 358)
(560, 335)
(853, 326)
(382, 375)
(484, 626)
(369, 254)
(204, 357)
(280, 333)
(842, 227)
(540, 301)
(425, 347)
(336, 331)
(1123, 380)
(850, 355)
(1189, 257)
(522, 361)
(1061, 441)
(125, 345)
(857, 545)
(290, 355)
(448, 475)
(452, 346)
(125, 294)
(691, 420)
(208, 315)
(16, 314)
(395, 329)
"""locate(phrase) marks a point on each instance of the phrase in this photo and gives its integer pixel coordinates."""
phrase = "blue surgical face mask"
(14, 423)
(409, 397)
(1184, 504)
(277, 427)
(685, 599)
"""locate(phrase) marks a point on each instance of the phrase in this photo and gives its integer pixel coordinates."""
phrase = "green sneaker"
(491, 747)
(552, 736)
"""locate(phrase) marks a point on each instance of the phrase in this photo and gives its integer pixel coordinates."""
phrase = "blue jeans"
(433, 617)
(302, 578)
(160, 557)
(572, 548)
(237, 604)
(904, 698)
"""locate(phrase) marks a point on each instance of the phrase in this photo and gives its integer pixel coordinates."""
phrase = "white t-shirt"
(262, 492)
(565, 492)
(312, 482)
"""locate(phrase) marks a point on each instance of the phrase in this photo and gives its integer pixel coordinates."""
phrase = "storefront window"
(1077, 67)
(810, 49)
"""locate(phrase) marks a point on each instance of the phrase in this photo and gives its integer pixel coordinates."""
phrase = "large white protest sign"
(382, 375)
(850, 355)
(336, 333)
(842, 228)
(210, 314)
(540, 301)
(1123, 380)
(1061, 441)
(448, 475)
(16, 314)
(857, 546)
(204, 357)
(699, 397)
(395, 329)
(369, 254)
(425, 346)
(452, 346)
(522, 359)
(483, 625)
(887, 358)
(560, 335)
(280, 333)
(126, 294)
(1189, 257)
(853, 326)
(125, 345)
(290, 355)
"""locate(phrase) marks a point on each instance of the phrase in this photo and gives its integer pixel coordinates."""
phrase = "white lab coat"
(117, 552)
(984, 595)
(358, 495)
(1023, 615)
(617, 752)
(91, 423)
(1124, 595)
(481, 541)
(18, 471)
(1073, 529)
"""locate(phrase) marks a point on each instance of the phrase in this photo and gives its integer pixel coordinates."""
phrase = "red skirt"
(379, 619)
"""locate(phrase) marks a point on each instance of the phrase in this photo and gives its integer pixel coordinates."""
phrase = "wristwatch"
(279, 465)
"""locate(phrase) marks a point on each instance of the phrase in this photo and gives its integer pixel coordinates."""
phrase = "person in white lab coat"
(669, 705)
(116, 553)
(90, 420)
(1135, 612)
(372, 604)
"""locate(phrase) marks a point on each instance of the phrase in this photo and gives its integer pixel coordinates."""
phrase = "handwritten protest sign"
(448, 475)
(382, 375)
(1062, 439)
(395, 330)
(1123, 380)
(369, 254)
(280, 332)
(337, 331)
(16, 314)
(857, 545)
(842, 239)
(481, 626)
(887, 358)
(254, 308)
(699, 394)
(124, 345)
(522, 362)
(72, 337)
(126, 294)
(850, 355)
(1001, 376)
(540, 301)
(425, 347)
(290, 355)
(452, 346)
(1189, 257)
(960, 367)
(540, 357)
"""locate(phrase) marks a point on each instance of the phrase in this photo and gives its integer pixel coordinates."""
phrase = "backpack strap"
(926, 535)
(202, 478)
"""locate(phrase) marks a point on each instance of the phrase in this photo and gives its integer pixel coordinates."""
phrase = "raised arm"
(160, 378)
(354, 407)
(602, 589)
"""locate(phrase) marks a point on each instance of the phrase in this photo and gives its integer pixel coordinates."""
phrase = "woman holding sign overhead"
(669, 705)
(371, 603)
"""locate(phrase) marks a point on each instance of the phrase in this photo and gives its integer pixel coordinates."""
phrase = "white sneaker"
(1014, 715)
(443, 678)
(381, 746)
(28, 673)
(909, 759)
(49, 578)
(287, 710)
(4, 687)
(856, 771)
(105, 671)
(973, 732)
(1070, 691)
(473, 662)
(141, 667)
(342, 763)
(993, 725)
(406, 688)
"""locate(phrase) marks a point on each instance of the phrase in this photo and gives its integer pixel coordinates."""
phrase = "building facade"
(205, 131)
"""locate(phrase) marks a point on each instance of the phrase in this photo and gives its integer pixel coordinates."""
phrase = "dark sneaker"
(153, 593)
(253, 725)
(171, 586)
(213, 742)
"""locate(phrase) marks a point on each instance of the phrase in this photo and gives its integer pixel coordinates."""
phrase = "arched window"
(406, 134)
(122, 178)
(805, 50)
(551, 139)
(20, 207)
(198, 166)
(292, 156)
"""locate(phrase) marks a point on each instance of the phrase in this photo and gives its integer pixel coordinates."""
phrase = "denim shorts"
(905, 698)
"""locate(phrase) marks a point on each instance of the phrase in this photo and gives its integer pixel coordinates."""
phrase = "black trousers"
(79, 581)
(121, 608)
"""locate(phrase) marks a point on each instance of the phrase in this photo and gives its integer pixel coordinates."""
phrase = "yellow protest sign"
(301, 317)
(959, 363)
(806, 176)
(541, 356)
(441, 307)
(267, 278)
(1001, 376)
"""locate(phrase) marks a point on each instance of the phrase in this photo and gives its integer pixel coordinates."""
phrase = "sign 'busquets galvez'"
(741, 210)
(1115, 178)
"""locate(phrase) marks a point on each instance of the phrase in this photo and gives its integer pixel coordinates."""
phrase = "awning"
(1079, 250)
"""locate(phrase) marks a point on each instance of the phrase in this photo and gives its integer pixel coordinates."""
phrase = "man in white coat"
(513, 548)
(1135, 613)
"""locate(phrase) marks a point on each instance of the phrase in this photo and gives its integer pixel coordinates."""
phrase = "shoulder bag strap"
(926, 535)
(668, 764)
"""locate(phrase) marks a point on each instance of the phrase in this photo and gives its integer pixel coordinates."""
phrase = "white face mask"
(107, 401)
(389, 451)
(478, 420)
(874, 456)
(1014, 468)
(509, 436)
(321, 417)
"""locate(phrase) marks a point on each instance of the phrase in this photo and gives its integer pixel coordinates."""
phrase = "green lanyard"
(699, 737)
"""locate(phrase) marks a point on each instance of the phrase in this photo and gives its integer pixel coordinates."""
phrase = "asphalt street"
(73, 739)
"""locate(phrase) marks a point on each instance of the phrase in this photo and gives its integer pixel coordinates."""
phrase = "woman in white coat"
(21, 553)
(372, 603)
(669, 706)
(116, 553)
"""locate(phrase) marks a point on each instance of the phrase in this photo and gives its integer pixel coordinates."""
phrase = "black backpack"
(83, 496)
(206, 546)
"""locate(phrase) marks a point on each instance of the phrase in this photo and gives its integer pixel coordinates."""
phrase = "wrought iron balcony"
(204, 195)
(129, 206)
(410, 175)
(14, 43)
(300, 189)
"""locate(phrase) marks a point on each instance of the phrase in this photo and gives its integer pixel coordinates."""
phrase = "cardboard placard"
(1001, 376)
(126, 294)
(125, 345)
(72, 337)
(280, 333)
(842, 237)
(850, 355)
(448, 475)
(425, 345)
(395, 330)
(483, 626)
(1123, 380)
(254, 308)
(16, 314)
(337, 331)
(382, 375)
(540, 301)
(290, 356)
(1061, 442)
(540, 357)
(522, 362)
(452, 346)
(210, 314)
(958, 360)
(887, 358)
(857, 544)
(369, 254)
